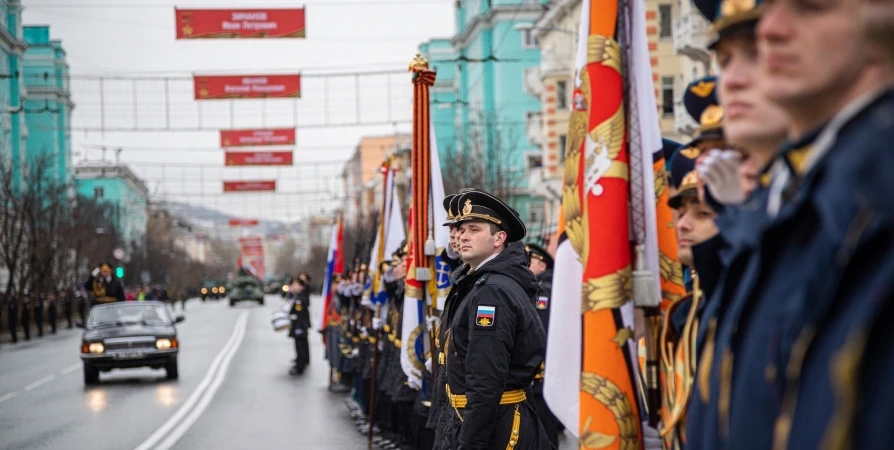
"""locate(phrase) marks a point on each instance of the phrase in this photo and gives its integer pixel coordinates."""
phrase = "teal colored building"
(494, 52)
(127, 195)
(444, 106)
(48, 104)
(13, 130)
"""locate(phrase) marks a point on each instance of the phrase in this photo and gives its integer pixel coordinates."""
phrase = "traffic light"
(119, 272)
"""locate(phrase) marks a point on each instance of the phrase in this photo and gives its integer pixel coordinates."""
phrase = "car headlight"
(222, 290)
(214, 290)
(204, 290)
(285, 288)
(163, 344)
(96, 347)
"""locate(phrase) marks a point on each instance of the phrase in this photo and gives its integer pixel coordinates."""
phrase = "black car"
(129, 334)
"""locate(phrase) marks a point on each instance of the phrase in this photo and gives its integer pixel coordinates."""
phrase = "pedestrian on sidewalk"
(68, 310)
(52, 311)
(12, 318)
(27, 308)
(38, 313)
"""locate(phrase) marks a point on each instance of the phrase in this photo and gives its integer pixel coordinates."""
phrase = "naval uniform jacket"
(789, 346)
(495, 344)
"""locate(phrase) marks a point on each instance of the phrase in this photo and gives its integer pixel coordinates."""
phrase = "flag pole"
(377, 333)
(422, 232)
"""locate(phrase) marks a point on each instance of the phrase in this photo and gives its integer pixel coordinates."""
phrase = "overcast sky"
(135, 38)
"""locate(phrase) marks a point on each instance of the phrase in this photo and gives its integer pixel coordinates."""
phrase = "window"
(98, 192)
(563, 142)
(535, 160)
(562, 94)
(665, 21)
(528, 39)
(667, 95)
(535, 214)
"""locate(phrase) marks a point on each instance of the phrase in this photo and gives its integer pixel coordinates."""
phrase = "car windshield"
(128, 314)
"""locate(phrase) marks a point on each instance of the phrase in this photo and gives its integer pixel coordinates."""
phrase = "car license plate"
(129, 355)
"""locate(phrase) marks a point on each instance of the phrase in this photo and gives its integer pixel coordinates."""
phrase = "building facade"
(444, 106)
(493, 53)
(691, 31)
(13, 130)
(128, 196)
(361, 172)
(48, 104)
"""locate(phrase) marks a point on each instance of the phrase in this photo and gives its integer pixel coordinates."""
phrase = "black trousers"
(51, 315)
(26, 323)
(38, 319)
(549, 421)
(302, 352)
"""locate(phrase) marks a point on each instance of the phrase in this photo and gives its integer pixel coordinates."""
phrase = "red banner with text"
(249, 186)
(283, 158)
(257, 138)
(243, 222)
(239, 23)
(227, 87)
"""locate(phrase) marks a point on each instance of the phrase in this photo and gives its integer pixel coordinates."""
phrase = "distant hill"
(210, 219)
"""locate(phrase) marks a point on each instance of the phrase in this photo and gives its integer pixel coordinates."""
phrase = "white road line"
(7, 397)
(71, 369)
(197, 412)
(39, 382)
(176, 420)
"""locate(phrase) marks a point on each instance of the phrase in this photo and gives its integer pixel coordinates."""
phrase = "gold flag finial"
(418, 64)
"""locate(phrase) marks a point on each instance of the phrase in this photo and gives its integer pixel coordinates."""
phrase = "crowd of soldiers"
(785, 227)
(503, 305)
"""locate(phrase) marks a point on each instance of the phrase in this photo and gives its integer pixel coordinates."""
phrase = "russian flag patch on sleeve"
(485, 316)
(542, 302)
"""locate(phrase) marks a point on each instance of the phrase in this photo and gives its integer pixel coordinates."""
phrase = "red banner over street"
(255, 138)
(243, 222)
(225, 87)
(283, 158)
(239, 23)
(249, 186)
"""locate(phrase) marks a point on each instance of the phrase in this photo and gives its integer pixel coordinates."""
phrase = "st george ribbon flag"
(334, 265)
(425, 224)
(592, 379)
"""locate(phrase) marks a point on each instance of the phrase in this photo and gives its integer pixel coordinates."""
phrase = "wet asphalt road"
(234, 392)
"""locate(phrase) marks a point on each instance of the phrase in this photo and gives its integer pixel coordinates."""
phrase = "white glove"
(355, 353)
(431, 323)
(415, 384)
(428, 365)
(377, 323)
(651, 438)
(720, 170)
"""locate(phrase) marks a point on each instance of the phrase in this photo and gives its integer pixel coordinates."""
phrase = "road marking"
(197, 402)
(39, 382)
(7, 397)
(70, 369)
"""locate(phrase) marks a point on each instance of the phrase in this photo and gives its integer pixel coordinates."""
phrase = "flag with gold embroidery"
(592, 380)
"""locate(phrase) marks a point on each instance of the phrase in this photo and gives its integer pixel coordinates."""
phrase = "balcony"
(533, 85)
(683, 122)
(555, 65)
(691, 37)
(534, 128)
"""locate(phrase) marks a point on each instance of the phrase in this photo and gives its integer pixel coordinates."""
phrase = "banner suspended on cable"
(249, 186)
(282, 158)
(257, 138)
(239, 23)
(228, 87)
(243, 222)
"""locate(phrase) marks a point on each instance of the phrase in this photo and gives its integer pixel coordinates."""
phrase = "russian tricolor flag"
(334, 265)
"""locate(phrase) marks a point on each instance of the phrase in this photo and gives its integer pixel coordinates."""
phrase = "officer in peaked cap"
(494, 341)
(700, 101)
(696, 237)
(541, 265)
(729, 17)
